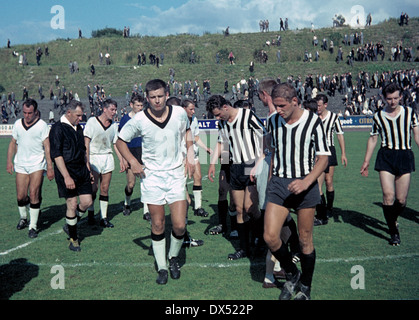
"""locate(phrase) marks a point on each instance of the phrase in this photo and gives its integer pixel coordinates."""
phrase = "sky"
(31, 22)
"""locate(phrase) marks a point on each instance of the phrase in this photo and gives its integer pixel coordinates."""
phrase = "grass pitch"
(354, 260)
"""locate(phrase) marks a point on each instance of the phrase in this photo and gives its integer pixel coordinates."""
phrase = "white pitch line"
(30, 242)
(51, 234)
(219, 265)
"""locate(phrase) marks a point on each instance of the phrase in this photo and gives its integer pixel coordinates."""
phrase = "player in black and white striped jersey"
(244, 132)
(331, 125)
(395, 160)
(298, 139)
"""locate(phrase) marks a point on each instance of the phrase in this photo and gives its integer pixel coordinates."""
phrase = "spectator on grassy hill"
(92, 69)
(404, 19)
(281, 24)
(231, 57)
(339, 57)
(38, 56)
(369, 20)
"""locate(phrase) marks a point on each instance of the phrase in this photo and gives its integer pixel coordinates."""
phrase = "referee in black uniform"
(395, 160)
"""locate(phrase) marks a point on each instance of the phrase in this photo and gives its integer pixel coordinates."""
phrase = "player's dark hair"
(31, 102)
(311, 105)
(242, 104)
(391, 88)
(173, 101)
(284, 90)
(322, 97)
(73, 104)
(136, 97)
(110, 102)
(155, 84)
(216, 102)
(187, 102)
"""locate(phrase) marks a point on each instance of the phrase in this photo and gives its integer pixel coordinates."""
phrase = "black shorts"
(397, 162)
(240, 176)
(333, 160)
(137, 153)
(81, 176)
(226, 168)
(277, 192)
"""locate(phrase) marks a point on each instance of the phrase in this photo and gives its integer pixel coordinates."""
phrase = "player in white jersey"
(100, 133)
(29, 147)
(189, 107)
(163, 129)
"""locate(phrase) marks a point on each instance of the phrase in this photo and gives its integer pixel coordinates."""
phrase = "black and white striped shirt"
(244, 136)
(297, 144)
(395, 132)
(331, 124)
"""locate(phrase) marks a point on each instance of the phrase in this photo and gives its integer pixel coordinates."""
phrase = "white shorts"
(102, 163)
(30, 169)
(163, 187)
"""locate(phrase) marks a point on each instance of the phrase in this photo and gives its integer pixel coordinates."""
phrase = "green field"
(118, 264)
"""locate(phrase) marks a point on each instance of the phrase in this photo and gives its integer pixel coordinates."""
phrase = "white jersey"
(162, 142)
(101, 138)
(29, 140)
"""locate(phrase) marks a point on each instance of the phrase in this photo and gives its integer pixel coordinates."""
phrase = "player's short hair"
(216, 102)
(322, 97)
(173, 101)
(31, 102)
(136, 97)
(73, 104)
(242, 104)
(284, 90)
(187, 102)
(110, 102)
(267, 85)
(391, 88)
(311, 105)
(155, 84)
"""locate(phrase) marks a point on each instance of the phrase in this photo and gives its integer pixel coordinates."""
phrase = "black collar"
(157, 123)
(28, 127)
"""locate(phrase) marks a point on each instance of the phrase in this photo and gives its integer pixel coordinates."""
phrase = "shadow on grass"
(15, 275)
(362, 221)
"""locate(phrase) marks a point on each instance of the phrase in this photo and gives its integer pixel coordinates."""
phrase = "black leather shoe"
(105, 223)
(162, 277)
(174, 268)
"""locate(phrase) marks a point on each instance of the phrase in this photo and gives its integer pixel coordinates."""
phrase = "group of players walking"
(269, 170)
